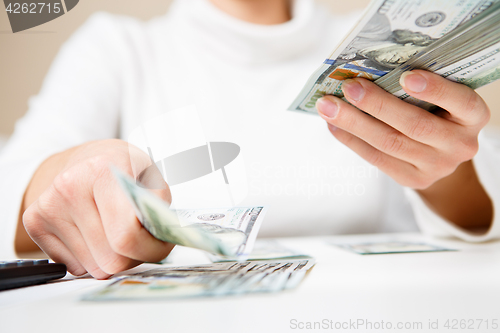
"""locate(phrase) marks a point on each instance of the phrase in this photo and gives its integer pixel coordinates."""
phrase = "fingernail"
(413, 82)
(327, 107)
(353, 90)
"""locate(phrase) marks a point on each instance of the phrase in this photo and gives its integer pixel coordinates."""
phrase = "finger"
(372, 131)
(412, 121)
(125, 233)
(464, 104)
(73, 240)
(404, 173)
(57, 251)
(60, 223)
(86, 217)
(51, 245)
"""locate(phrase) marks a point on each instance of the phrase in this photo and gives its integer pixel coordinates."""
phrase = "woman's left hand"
(413, 146)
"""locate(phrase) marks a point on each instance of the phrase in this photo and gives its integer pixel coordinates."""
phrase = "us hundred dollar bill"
(229, 232)
(389, 33)
(470, 55)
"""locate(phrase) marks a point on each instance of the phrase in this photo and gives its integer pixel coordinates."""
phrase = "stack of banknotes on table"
(458, 39)
(217, 279)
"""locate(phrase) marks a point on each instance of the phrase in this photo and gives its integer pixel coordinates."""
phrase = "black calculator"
(22, 273)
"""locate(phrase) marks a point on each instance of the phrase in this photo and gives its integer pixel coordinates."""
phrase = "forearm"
(41, 180)
(461, 199)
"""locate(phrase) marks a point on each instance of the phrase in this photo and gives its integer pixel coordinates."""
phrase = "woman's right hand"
(78, 215)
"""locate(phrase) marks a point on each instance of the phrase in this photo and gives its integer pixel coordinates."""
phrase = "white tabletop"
(344, 289)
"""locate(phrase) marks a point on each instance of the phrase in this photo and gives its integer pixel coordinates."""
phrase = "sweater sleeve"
(78, 102)
(486, 164)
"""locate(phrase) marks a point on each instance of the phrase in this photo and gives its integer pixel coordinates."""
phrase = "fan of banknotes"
(458, 39)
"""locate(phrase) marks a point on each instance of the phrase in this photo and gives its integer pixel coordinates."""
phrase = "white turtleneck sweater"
(115, 73)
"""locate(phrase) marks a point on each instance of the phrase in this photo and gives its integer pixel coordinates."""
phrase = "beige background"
(26, 56)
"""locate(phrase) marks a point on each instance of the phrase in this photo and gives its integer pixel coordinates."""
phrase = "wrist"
(460, 198)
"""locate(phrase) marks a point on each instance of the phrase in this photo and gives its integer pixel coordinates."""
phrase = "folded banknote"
(230, 232)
